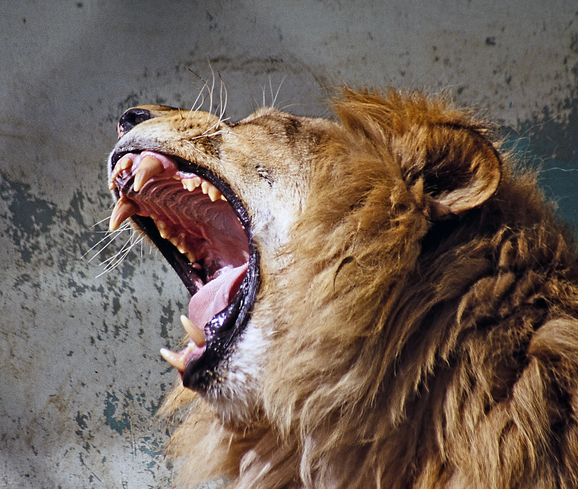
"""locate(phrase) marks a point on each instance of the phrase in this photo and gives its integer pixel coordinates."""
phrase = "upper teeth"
(122, 165)
(191, 183)
(123, 209)
(150, 166)
(147, 168)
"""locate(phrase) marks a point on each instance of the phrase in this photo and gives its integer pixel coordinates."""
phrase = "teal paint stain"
(118, 424)
(552, 138)
(153, 407)
(553, 143)
(549, 146)
(153, 448)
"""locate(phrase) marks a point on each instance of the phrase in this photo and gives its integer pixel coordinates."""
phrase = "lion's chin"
(202, 229)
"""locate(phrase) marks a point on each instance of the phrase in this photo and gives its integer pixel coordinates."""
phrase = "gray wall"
(80, 373)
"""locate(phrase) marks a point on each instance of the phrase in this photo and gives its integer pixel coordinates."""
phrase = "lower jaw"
(224, 328)
(223, 331)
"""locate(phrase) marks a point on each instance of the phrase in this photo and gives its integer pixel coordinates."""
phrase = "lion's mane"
(425, 329)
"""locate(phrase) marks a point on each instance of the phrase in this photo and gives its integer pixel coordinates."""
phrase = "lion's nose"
(131, 118)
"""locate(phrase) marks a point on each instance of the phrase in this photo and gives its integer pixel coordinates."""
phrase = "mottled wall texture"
(80, 374)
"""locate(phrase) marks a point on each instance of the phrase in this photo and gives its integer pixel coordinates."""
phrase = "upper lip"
(225, 326)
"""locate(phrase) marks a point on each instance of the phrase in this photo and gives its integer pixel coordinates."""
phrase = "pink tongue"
(216, 295)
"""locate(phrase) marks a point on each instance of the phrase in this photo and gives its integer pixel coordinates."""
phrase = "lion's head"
(364, 292)
(218, 200)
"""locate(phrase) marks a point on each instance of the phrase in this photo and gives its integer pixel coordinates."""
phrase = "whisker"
(211, 93)
(201, 136)
(98, 223)
(115, 260)
(189, 143)
(125, 246)
(264, 103)
(271, 92)
(278, 90)
(207, 134)
(223, 103)
(108, 238)
(108, 235)
(194, 107)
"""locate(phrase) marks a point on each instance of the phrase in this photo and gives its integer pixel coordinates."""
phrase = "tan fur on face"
(420, 319)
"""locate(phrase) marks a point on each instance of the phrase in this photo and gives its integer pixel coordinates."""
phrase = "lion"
(382, 299)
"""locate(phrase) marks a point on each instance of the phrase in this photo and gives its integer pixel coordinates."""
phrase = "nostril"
(131, 118)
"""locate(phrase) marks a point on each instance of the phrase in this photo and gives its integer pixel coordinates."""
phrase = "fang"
(148, 168)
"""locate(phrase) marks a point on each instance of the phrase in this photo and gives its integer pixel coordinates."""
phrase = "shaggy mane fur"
(425, 331)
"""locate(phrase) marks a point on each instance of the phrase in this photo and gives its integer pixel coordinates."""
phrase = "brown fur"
(424, 328)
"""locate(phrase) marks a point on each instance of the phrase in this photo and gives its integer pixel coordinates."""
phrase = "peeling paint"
(117, 424)
(551, 143)
(86, 417)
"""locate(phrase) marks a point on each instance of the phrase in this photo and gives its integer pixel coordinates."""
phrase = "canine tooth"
(214, 193)
(175, 359)
(148, 168)
(123, 209)
(196, 334)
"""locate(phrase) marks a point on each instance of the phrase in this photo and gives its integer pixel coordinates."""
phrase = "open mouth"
(202, 229)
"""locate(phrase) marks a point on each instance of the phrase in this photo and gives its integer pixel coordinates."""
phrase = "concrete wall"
(80, 374)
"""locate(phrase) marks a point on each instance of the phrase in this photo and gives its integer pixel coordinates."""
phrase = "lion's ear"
(455, 165)
(444, 154)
